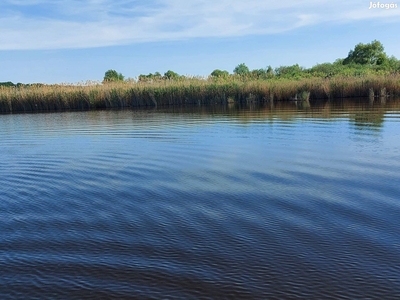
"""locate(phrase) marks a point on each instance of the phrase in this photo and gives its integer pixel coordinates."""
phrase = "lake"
(218, 202)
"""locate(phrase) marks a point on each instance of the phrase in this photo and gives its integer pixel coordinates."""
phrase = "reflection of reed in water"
(383, 95)
(356, 109)
(371, 95)
(383, 92)
(303, 104)
(302, 99)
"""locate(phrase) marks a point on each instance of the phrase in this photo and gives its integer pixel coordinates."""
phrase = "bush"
(171, 75)
(241, 70)
(219, 73)
(112, 76)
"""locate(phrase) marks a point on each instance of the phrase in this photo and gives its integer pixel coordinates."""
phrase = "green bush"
(113, 76)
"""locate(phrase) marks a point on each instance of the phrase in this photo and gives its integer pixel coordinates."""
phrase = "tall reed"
(193, 91)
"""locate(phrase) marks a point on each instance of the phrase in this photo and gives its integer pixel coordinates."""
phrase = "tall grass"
(192, 91)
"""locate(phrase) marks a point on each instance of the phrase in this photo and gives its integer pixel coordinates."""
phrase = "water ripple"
(246, 204)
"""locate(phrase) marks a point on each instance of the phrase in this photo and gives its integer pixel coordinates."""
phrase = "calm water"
(202, 203)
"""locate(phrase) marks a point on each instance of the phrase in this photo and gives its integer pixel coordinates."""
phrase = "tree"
(367, 54)
(393, 63)
(324, 70)
(219, 73)
(289, 71)
(270, 71)
(150, 77)
(8, 84)
(112, 75)
(171, 75)
(241, 69)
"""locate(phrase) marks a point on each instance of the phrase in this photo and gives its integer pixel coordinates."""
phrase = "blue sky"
(55, 41)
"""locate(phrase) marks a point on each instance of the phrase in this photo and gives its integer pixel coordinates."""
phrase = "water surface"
(283, 202)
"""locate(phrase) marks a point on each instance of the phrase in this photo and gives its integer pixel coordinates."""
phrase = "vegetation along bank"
(366, 72)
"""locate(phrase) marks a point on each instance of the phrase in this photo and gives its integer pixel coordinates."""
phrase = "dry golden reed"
(194, 91)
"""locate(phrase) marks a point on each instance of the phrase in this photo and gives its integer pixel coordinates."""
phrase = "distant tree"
(270, 71)
(150, 77)
(171, 75)
(219, 73)
(289, 71)
(259, 73)
(367, 54)
(241, 69)
(338, 61)
(326, 70)
(112, 75)
(393, 63)
(8, 84)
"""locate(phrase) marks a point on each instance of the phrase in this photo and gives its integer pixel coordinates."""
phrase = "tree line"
(364, 59)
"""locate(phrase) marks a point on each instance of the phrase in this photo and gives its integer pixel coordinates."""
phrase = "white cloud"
(43, 24)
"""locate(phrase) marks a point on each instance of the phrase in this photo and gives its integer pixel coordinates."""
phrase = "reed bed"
(192, 91)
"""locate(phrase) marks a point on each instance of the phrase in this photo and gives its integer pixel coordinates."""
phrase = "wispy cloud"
(45, 24)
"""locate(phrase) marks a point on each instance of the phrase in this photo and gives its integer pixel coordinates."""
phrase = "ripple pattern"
(230, 204)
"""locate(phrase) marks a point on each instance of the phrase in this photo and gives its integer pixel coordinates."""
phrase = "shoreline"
(164, 93)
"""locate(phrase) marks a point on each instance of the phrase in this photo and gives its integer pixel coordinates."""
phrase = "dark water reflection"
(260, 202)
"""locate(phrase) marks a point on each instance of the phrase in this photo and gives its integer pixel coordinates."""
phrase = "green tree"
(367, 54)
(290, 71)
(219, 73)
(241, 70)
(142, 77)
(171, 75)
(393, 63)
(259, 73)
(324, 70)
(112, 75)
(150, 77)
(8, 84)
(270, 71)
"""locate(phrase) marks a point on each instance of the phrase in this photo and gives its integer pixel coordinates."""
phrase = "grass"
(192, 91)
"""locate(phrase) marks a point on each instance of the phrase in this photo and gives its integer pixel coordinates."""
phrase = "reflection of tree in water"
(359, 112)
(303, 105)
(369, 120)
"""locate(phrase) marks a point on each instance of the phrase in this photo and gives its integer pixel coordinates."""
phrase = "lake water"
(258, 202)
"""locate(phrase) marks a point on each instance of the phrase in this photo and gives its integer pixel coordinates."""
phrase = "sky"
(72, 41)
